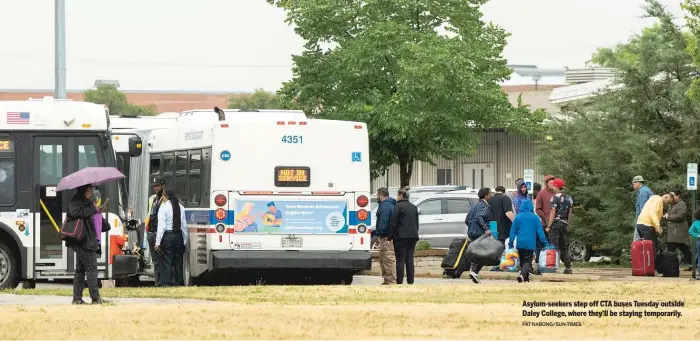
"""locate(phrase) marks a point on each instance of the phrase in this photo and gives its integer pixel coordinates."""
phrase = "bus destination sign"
(6, 146)
(292, 176)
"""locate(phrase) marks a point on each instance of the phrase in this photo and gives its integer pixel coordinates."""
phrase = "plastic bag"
(510, 261)
(549, 260)
(485, 250)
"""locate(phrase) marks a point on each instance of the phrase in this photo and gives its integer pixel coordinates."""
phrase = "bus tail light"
(362, 201)
(220, 200)
(362, 215)
(220, 214)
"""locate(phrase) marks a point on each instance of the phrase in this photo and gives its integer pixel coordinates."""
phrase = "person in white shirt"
(171, 240)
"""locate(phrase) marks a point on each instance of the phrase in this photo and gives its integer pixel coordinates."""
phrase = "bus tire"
(9, 267)
(186, 276)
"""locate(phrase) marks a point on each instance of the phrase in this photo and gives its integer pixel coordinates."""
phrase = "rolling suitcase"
(455, 261)
(642, 252)
(668, 265)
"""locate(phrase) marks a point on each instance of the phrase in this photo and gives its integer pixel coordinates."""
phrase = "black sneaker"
(78, 302)
(100, 301)
(567, 271)
(521, 279)
(475, 277)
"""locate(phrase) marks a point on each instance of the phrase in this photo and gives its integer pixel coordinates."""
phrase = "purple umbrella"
(89, 176)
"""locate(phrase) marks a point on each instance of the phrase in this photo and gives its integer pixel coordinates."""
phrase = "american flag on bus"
(17, 118)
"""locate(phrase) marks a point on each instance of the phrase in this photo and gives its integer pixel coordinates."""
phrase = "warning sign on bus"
(292, 176)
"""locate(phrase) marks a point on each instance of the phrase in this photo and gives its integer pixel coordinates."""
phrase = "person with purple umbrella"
(83, 207)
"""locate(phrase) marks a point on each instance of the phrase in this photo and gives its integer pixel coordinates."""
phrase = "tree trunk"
(405, 170)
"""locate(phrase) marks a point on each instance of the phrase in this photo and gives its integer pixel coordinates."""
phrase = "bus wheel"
(186, 275)
(9, 267)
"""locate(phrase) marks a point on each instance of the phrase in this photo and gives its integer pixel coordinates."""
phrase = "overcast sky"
(240, 45)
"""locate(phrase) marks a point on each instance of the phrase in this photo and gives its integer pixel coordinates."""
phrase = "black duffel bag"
(485, 250)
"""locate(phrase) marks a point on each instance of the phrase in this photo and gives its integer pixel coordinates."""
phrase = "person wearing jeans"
(403, 229)
(478, 225)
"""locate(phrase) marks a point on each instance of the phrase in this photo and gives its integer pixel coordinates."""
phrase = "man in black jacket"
(152, 225)
(403, 229)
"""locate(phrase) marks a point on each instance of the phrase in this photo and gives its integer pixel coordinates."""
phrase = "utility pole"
(60, 48)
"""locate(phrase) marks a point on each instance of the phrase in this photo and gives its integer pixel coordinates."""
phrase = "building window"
(444, 177)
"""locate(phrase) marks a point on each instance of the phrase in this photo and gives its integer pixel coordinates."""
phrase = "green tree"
(644, 124)
(423, 75)
(259, 99)
(109, 95)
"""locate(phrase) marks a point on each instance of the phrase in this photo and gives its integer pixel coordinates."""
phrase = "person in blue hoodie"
(520, 195)
(387, 258)
(526, 230)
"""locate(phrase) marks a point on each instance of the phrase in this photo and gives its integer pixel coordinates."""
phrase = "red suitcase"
(642, 258)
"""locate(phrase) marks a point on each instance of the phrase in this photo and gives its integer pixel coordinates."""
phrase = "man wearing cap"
(558, 223)
(154, 203)
(643, 195)
(543, 209)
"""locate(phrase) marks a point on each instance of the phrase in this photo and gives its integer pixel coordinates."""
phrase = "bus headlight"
(362, 229)
(220, 228)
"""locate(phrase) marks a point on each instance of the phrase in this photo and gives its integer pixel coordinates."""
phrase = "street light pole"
(60, 48)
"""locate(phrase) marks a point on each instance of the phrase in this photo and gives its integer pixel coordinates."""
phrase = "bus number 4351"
(292, 139)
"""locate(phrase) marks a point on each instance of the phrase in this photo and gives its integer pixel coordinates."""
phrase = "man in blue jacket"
(526, 230)
(387, 258)
(478, 225)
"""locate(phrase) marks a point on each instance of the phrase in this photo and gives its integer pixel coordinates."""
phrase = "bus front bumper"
(252, 260)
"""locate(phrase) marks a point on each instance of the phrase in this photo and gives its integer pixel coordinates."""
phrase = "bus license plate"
(291, 242)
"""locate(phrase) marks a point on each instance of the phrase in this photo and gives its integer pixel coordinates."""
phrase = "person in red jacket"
(542, 209)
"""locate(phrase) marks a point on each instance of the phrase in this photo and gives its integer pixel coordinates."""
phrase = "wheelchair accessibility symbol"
(356, 157)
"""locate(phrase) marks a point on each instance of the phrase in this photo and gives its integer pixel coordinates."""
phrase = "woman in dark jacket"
(403, 229)
(82, 207)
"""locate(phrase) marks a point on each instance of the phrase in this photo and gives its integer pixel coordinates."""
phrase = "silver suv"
(441, 215)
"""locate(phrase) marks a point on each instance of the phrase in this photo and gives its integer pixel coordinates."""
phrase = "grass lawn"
(460, 311)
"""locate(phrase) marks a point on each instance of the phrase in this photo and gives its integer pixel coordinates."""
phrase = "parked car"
(441, 215)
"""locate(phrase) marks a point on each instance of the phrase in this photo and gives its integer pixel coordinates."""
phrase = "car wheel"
(578, 251)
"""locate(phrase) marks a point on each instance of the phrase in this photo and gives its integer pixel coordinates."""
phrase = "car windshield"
(413, 199)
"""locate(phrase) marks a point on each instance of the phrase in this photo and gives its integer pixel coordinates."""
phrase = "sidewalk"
(579, 275)
(41, 300)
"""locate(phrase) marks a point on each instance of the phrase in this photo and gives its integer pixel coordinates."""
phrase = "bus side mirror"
(135, 146)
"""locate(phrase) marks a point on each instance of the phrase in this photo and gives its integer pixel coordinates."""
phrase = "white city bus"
(276, 197)
(42, 141)
(136, 188)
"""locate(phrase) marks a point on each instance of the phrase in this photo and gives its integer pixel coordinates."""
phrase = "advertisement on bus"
(291, 217)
